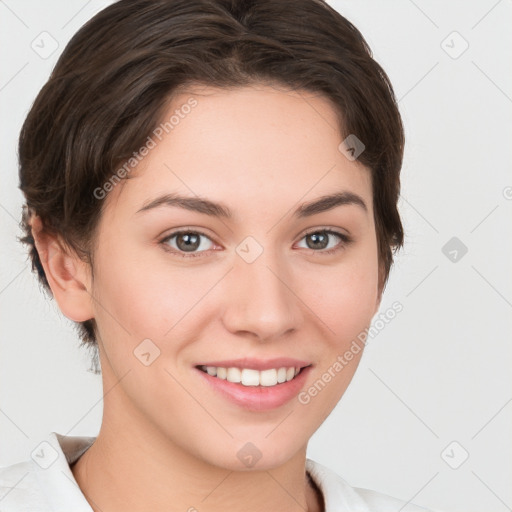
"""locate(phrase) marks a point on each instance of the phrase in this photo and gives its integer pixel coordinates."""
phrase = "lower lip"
(258, 398)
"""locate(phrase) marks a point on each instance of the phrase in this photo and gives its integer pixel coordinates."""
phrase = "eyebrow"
(207, 207)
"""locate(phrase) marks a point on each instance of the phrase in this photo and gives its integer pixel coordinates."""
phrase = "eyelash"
(345, 241)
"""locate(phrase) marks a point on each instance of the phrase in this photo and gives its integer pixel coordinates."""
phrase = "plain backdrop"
(428, 415)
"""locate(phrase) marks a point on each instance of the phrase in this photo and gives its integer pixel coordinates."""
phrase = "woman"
(211, 192)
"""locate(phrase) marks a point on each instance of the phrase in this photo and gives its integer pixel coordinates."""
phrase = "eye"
(186, 243)
(189, 243)
(319, 241)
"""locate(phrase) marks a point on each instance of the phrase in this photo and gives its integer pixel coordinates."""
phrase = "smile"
(251, 377)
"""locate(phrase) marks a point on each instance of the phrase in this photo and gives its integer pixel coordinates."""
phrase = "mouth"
(255, 385)
(251, 377)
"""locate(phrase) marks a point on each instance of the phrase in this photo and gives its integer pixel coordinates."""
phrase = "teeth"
(268, 377)
(250, 377)
(234, 375)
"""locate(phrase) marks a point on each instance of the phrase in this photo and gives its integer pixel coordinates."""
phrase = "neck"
(127, 461)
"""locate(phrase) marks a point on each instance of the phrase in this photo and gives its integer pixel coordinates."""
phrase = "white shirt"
(45, 483)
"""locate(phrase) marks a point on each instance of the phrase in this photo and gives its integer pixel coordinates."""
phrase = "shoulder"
(339, 496)
(19, 488)
(44, 482)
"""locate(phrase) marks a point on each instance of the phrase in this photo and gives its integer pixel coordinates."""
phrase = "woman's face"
(269, 286)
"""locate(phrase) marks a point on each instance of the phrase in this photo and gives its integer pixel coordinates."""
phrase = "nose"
(261, 300)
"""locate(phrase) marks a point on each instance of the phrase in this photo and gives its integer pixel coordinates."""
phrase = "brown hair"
(114, 79)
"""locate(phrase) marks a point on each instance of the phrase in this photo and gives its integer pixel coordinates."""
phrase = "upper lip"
(258, 364)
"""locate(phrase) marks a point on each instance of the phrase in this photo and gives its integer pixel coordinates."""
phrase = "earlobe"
(67, 275)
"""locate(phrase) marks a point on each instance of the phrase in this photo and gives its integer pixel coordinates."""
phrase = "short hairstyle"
(115, 78)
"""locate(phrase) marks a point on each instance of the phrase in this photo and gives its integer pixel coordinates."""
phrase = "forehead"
(251, 147)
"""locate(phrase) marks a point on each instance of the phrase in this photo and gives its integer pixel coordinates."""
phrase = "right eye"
(186, 243)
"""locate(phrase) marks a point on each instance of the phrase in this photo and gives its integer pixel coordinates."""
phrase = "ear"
(68, 276)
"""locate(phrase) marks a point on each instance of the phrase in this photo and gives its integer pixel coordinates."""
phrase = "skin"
(167, 438)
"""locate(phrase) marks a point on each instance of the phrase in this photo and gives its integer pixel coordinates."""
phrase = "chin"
(245, 455)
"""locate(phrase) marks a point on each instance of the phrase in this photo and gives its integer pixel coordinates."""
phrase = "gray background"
(440, 371)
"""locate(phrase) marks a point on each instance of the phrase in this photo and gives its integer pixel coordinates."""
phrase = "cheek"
(143, 295)
(132, 292)
(351, 306)
(344, 296)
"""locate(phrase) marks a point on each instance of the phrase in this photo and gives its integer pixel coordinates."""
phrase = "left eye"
(320, 241)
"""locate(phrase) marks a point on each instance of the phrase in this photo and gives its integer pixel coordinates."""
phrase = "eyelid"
(328, 229)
